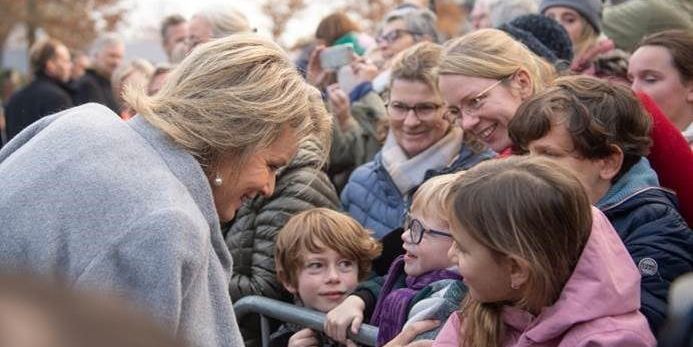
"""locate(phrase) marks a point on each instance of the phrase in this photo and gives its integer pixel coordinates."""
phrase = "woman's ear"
(611, 165)
(523, 84)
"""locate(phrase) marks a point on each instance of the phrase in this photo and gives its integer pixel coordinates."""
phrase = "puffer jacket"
(372, 198)
(250, 236)
(656, 236)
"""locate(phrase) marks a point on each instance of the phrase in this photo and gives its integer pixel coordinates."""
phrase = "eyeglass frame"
(479, 96)
(398, 34)
(409, 222)
(413, 108)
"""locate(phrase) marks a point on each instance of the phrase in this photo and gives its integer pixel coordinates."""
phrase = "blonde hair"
(418, 63)
(232, 96)
(527, 207)
(429, 201)
(493, 54)
(315, 230)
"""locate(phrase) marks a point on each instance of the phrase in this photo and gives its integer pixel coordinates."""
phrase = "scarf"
(390, 312)
(408, 173)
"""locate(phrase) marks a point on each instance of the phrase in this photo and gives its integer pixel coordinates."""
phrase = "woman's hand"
(339, 104)
(303, 338)
(404, 339)
(348, 314)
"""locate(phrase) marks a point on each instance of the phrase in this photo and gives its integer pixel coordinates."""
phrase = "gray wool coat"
(118, 207)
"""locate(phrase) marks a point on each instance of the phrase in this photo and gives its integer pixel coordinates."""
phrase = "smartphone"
(332, 58)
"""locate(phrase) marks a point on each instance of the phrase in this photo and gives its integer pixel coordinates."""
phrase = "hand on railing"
(347, 315)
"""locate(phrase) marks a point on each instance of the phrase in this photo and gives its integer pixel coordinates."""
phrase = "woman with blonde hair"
(484, 77)
(135, 207)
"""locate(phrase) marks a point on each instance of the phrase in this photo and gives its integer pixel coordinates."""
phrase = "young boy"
(422, 284)
(320, 257)
(600, 131)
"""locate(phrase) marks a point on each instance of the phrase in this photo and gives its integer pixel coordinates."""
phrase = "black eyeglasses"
(417, 230)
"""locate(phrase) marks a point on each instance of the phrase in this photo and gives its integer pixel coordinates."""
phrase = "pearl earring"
(217, 181)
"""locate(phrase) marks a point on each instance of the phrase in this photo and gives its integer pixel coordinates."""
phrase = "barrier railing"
(302, 316)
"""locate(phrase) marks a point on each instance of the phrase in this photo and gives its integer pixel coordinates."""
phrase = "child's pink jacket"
(597, 307)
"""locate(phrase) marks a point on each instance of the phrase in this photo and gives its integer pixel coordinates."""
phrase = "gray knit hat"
(590, 9)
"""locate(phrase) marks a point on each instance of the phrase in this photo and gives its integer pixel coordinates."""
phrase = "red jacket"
(671, 157)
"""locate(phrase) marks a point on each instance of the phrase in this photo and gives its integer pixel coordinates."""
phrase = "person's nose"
(268, 188)
(332, 274)
(411, 119)
(636, 86)
(469, 122)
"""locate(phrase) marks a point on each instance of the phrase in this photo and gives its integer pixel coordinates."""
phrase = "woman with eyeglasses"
(421, 140)
(484, 77)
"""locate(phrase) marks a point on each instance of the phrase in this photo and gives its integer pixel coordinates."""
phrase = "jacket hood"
(605, 283)
(641, 176)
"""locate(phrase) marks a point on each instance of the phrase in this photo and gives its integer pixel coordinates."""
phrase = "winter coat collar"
(640, 177)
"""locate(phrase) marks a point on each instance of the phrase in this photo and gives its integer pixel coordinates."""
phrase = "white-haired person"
(213, 23)
(134, 208)
(95, 85)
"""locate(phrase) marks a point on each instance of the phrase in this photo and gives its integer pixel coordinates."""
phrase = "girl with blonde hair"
(542, 266)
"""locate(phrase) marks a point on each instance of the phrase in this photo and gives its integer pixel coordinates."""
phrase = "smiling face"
(426, 256)
(414, 134)
(651, 68)
(255, 177)
(325, 279)
(570, 19)
(490, 112)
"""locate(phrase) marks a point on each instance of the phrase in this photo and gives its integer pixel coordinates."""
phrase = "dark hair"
(78, 318)
(333, 27)
(41, 52)
(679, 44)
(170, 21)
(598, 115)
(528, 207)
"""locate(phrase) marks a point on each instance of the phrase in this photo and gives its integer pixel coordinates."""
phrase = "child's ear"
(519, 271)
(288, 286)
(611, 165)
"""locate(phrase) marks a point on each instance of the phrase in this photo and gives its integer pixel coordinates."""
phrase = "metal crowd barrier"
(286, 312)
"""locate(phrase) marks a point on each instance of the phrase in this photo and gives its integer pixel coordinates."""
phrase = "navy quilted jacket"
(647, 219)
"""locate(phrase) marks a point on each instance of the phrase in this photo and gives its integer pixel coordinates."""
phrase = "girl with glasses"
(422, 284)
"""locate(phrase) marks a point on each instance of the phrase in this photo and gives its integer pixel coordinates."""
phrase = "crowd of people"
(525, 181)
